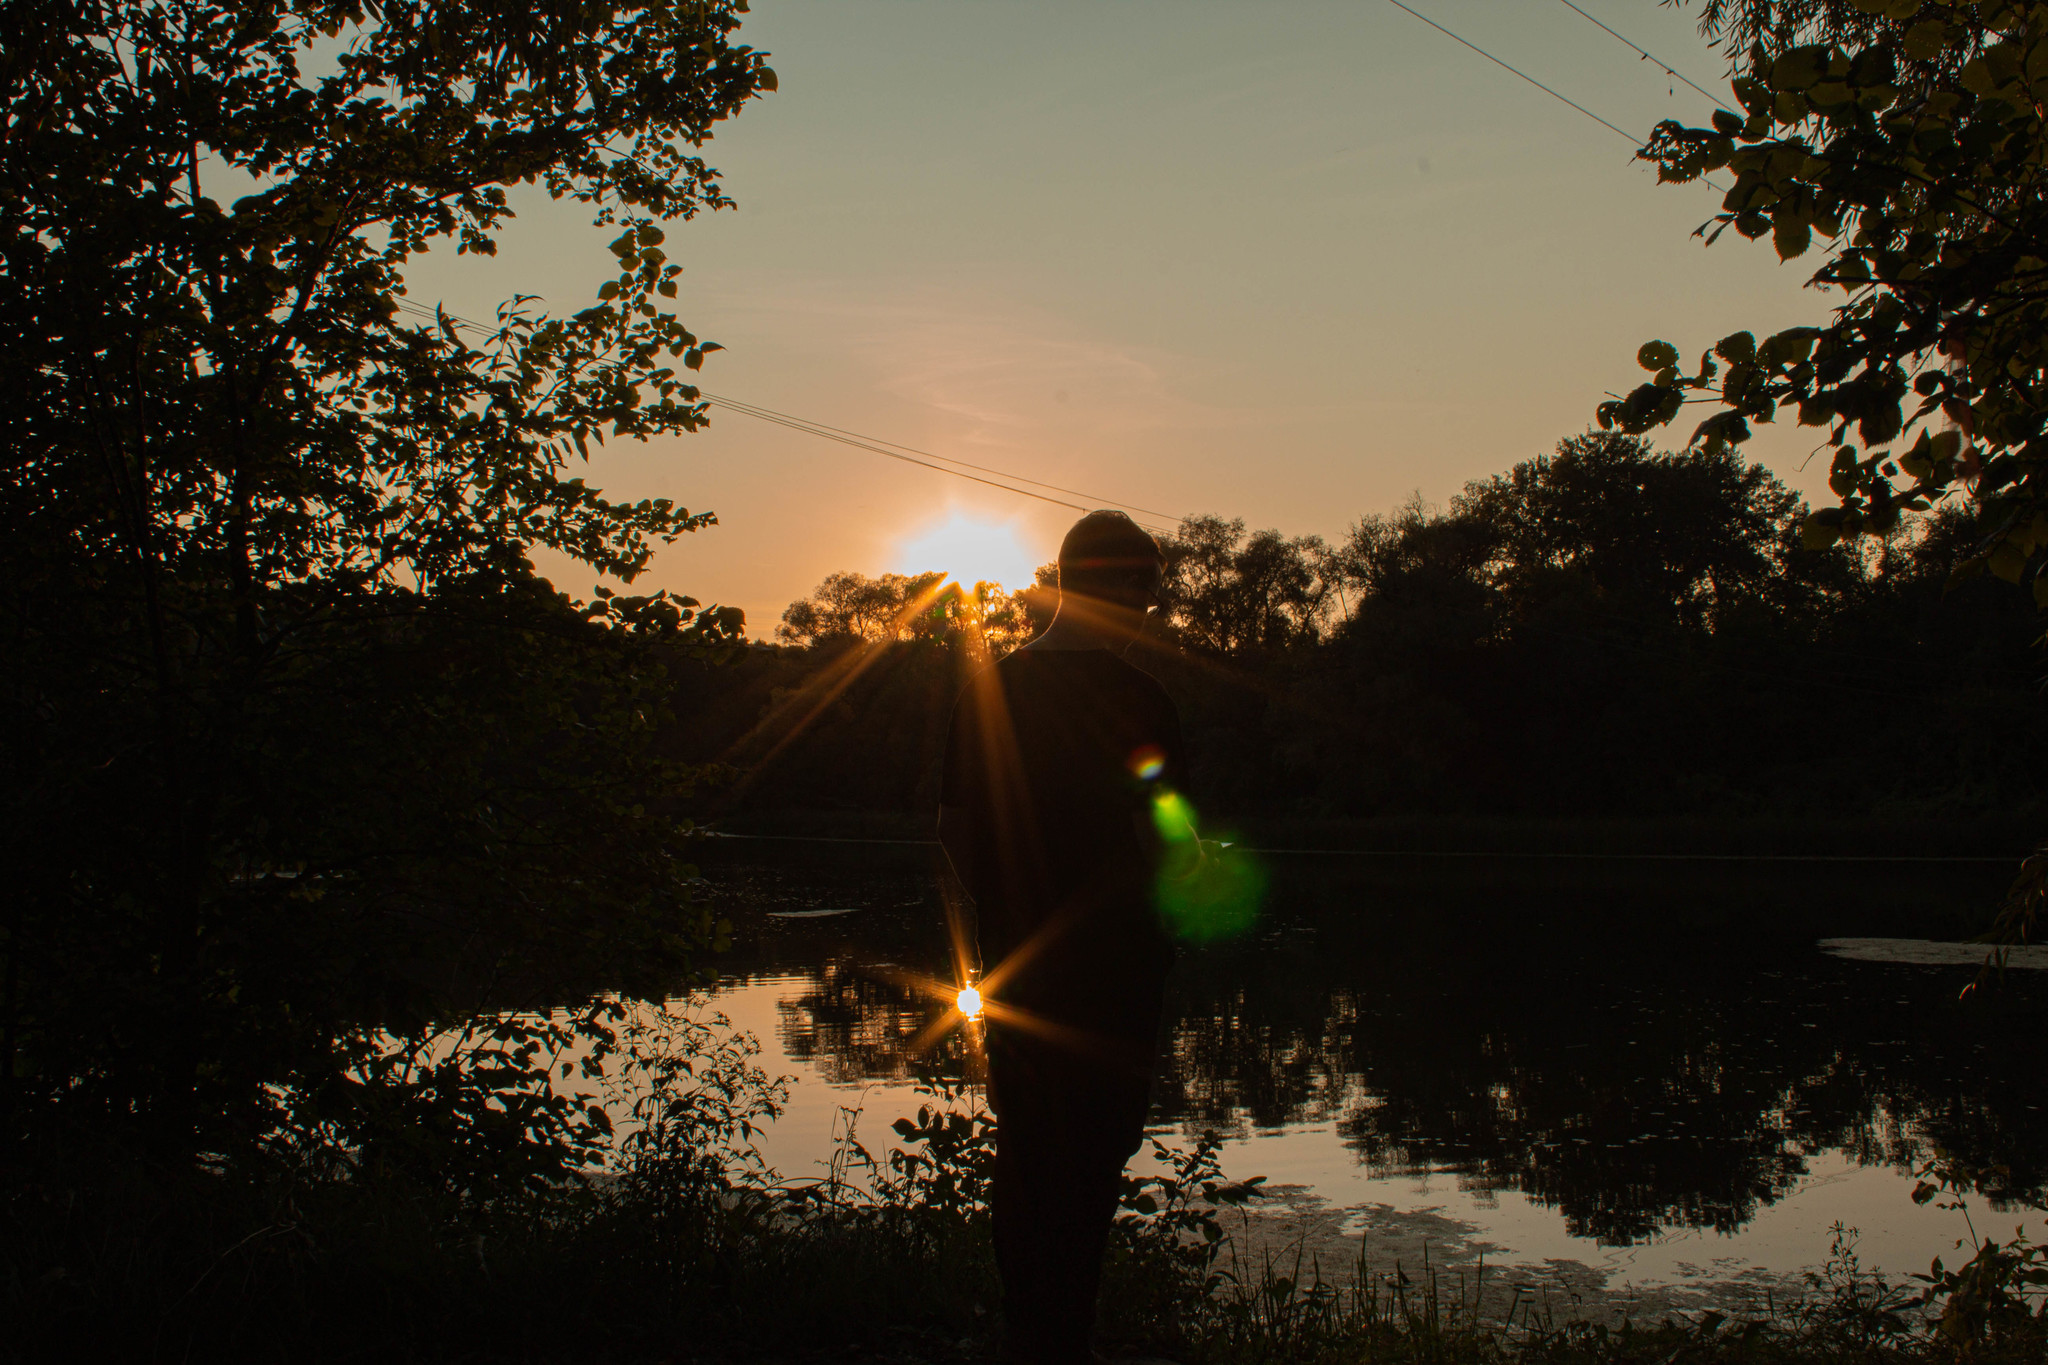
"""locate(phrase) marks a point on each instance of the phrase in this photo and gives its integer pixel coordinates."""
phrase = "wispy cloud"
(999, 374)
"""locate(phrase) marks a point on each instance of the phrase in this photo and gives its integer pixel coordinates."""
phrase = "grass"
(683, 1247)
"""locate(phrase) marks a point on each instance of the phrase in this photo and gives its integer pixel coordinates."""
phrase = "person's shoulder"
(1138, 677)
(980, 680)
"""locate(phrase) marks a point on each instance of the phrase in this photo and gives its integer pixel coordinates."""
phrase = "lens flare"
(1207, 891)
(968, 1002)
(1148, 763)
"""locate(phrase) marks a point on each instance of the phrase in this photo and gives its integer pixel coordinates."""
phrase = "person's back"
(1045, 812)
(1061, 749)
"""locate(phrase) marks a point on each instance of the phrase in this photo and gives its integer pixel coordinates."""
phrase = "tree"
(1227, 593)
(1909, 134)
(853, 606)
(300, 749)
(1684, 536)
(922, 608)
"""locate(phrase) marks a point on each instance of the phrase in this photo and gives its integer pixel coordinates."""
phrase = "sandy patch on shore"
(1921, 952)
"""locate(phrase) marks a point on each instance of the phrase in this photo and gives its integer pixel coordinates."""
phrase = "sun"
(970, 549)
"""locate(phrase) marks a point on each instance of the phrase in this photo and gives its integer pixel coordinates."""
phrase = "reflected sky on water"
(1665, 1083)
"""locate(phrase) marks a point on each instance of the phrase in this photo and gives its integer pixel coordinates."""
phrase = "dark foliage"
(1905, 139)
(1603, 631)
(303, 765)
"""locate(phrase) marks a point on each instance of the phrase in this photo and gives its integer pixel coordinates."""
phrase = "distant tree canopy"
(1687, 536)
(1684, 537)
(1229, 593)
(1604, 629)
(862, 608)
(926, 608)
(1910, 135)
(299, 748)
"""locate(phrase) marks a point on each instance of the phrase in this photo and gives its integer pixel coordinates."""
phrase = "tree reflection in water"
(859, 1021)
(1634, 1061)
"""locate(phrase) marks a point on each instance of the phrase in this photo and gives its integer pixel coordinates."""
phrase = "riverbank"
(1649, 1075)
(2001, 838)
(670, 1261)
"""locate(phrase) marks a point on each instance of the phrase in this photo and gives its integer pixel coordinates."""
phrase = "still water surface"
(1660, 1082)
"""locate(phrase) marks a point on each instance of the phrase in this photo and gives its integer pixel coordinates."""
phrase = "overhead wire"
(875, 445)
(1634, 141)
(946, 464)
(880, 448)
(1647, 55)
(737, 405)
(1561, 97)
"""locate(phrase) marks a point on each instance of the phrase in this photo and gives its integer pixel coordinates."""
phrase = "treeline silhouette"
(1606, 630)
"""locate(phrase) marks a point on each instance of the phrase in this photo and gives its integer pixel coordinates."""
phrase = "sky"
(1291, 262)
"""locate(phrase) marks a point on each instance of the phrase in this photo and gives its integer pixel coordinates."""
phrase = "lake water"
(1637, 1084)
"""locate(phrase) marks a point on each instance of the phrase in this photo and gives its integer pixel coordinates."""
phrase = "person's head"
(1113, 567)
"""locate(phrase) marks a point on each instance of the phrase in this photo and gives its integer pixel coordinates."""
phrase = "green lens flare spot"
(1206, 891)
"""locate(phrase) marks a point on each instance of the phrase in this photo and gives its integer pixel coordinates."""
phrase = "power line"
(1633, 140)
(891, 449)
(1616, 128)
(878, 448)
(1647, 55)
(756, 410)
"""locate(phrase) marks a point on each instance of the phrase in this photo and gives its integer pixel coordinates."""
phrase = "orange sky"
(1284, 261)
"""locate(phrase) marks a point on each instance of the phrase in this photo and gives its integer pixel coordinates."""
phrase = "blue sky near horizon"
(1289, 260)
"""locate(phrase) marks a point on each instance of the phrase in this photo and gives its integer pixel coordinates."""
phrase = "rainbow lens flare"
(1148, 763)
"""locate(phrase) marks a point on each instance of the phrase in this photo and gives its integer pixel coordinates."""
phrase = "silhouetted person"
(1046, 814)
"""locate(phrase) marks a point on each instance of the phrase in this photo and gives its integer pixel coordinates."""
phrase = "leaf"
(1799, 69)
(447, 326)
(1737, 348)
(1819, 531)
(1880, 424)
(1791, 235)
(1657, 355)
(1726, 123)
(1925, 40)
(1844, 474)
